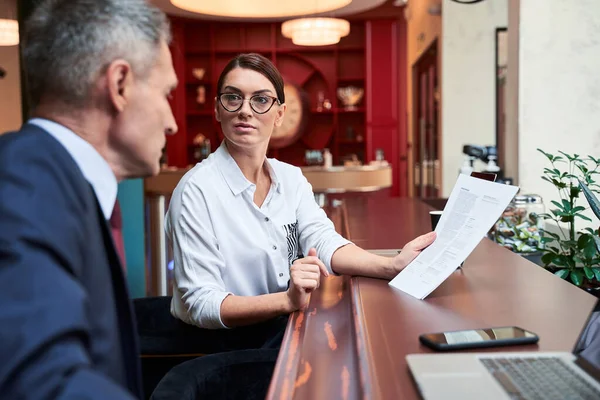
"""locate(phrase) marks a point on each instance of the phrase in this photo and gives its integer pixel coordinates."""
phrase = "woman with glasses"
(249, 241)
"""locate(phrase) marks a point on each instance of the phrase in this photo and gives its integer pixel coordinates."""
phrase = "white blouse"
(224, 244)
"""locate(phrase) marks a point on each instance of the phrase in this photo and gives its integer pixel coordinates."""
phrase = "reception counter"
(352, 340)
(338, 179)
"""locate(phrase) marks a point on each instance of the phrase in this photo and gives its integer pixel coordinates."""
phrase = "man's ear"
(119, 79)
(280, 115)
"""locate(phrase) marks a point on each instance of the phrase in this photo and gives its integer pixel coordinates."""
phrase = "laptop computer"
(506, 375)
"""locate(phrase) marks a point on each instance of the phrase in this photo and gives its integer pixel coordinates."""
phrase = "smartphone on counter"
(478, 338)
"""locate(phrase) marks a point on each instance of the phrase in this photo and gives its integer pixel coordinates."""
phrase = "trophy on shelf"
(201, 149)
(201, 94)
(322, 102)
(198, 73)
(350, 96)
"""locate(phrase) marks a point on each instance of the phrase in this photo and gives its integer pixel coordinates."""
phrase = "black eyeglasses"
(260, 103)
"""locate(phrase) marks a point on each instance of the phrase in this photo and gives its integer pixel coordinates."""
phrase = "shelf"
(322, 68)
(200, 113)
(307, 49)
(326, 112)
(345, 111)
(350, 142)
(198, 52)
(198, 83)
(351, 48)
(352, 79)
(243, 50)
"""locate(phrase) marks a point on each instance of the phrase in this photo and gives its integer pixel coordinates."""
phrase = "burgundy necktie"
(116, 225)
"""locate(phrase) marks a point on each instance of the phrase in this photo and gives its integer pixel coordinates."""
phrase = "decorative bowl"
(350, 96)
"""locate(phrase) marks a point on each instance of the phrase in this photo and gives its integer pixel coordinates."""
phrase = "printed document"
(473, 208)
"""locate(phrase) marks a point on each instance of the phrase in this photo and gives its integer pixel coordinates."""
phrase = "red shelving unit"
(210, 45)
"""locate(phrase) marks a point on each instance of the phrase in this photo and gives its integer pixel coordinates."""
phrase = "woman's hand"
(305, 276)
(411, 250)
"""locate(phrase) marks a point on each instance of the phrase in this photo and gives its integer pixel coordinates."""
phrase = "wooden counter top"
(351, 342)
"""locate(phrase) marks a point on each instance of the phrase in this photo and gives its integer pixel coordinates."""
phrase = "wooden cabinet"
(201, 49)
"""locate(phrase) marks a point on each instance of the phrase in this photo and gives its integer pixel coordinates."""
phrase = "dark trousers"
(234, 363)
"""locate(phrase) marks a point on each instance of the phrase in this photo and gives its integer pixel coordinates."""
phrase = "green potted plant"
(570, 253)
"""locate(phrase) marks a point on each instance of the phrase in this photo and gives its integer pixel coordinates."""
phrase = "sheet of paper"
(472, 209)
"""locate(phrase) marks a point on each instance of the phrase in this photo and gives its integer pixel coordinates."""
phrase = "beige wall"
(10, 89)
(422, 30)
(559, 85)
(468, 80)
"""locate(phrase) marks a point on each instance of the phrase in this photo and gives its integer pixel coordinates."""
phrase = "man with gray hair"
(99, 75)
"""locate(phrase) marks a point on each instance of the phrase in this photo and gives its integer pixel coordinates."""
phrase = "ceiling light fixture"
(315, 31)
(258, 8)
(9, 27)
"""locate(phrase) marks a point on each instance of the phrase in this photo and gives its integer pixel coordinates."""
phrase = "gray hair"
(69, 43)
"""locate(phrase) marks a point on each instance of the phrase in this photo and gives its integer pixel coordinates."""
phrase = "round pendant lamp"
(315, 31)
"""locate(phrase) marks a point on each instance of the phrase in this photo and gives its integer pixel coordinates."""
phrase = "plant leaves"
(547, 258)
(567, 155)
(583, 240)
(566, 218)
(588, 273)
(590, 249)
(557, 204)
(562, 273)
(583, 217)
(560, 260)
(554, 235)
(597, 242)
(566, 205)
(577, 277)
(547, 179)
(550, 156)
(573, 244)
(547, 239)
(591, 198)
(583, 168)
(597, 273)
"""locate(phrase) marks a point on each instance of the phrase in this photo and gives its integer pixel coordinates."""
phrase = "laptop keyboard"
(543, 378)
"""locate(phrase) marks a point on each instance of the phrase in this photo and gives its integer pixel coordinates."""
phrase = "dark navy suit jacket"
(66, 323)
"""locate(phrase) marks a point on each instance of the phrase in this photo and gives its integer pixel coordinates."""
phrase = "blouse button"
(274, 247)
(280, 274)
(267, 219)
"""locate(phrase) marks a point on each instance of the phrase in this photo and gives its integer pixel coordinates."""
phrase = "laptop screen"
(588, 343)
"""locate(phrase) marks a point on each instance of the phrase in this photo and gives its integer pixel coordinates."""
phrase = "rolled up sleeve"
(315, 228)
(199, 289)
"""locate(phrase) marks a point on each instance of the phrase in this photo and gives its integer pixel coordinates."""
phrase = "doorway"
(426, 132)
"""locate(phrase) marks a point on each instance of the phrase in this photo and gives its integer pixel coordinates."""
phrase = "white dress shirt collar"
(94, 168)
(233, 175)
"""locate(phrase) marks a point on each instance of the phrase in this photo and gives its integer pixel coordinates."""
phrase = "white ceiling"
(353, 8)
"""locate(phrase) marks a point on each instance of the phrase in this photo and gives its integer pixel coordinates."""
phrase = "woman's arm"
(352, 260)
(305, 276)
(247, 310)
(343, 257)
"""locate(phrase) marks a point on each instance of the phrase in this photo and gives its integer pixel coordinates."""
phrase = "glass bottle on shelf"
(327, 159)
(520, 227)
(320, 100)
